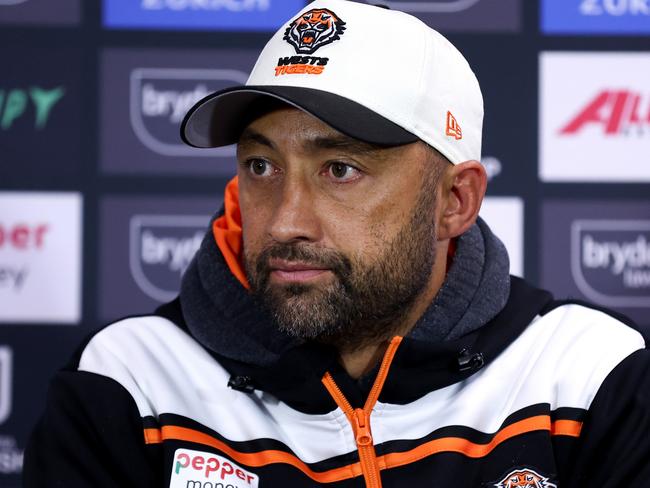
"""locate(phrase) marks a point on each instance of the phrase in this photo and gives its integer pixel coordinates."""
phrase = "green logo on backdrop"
(15, 102)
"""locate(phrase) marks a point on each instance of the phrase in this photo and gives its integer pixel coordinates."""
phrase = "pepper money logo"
(6, 375)
(610, 261)
(196, 469)
(22, 238)
(160, 98)
(313, 29)
(161, 248)
(40, 257)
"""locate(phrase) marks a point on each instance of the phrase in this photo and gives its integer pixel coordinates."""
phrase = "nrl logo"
(314, 29)
(524, 478)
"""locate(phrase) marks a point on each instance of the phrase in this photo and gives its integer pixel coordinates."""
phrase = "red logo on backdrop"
(616, 112)
(313, 29)
(23, 236)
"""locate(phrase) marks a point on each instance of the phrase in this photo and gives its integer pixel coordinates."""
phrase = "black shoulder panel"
(91, 434)
(614, 447)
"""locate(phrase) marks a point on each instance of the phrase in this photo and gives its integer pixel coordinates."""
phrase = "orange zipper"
(360, 417)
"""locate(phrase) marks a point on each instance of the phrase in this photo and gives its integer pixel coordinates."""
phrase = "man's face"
(339, 236)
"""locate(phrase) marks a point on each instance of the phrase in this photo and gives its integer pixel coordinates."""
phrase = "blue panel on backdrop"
(625, 17)
(241, 15)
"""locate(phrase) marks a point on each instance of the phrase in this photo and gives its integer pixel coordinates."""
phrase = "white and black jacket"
(553, 394)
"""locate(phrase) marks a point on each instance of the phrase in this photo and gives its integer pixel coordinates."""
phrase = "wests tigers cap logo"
(313, 29)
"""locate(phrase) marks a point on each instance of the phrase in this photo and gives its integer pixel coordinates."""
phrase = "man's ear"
(461, 193)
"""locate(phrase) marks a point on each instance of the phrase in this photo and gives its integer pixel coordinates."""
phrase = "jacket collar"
(419, 366)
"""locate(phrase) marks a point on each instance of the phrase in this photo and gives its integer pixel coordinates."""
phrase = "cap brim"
(218, 119)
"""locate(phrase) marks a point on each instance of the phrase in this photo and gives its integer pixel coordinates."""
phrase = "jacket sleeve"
(614, 446)
(90, 435)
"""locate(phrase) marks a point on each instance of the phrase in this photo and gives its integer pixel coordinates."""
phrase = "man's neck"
(360, 362)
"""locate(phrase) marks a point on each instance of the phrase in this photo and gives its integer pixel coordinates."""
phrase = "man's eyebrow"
(345, 143)
(342, 142)
(250, 136)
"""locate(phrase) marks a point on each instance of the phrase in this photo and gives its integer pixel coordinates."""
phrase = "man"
(348, 321)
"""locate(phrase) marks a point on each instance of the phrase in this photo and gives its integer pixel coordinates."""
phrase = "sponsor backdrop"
(151, 90)
(596, 128)
(145, 246)
(40, 111)
(600, 252)
(102, 206)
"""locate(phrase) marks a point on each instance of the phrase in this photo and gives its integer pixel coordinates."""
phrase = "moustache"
(319, 257)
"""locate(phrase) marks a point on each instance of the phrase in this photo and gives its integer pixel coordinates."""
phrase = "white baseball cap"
(377, 75)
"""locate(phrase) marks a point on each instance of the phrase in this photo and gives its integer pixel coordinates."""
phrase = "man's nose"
(294, 217)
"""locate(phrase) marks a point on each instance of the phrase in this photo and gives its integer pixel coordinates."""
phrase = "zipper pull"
(362, 421)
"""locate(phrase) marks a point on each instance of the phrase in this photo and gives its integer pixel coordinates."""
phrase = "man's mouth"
(293, 271)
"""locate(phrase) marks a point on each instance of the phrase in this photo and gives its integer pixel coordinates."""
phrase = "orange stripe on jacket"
(571, 428)
(152, 436)
(473, 450)
(459, 445)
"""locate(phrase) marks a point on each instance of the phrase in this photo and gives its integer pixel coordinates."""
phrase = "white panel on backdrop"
(594, 117)
(505, 216)
(40, 257)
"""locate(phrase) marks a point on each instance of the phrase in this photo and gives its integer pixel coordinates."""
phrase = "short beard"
(366, 303)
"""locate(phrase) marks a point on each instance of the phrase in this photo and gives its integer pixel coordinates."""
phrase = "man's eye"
(342, 171)
(260, 167)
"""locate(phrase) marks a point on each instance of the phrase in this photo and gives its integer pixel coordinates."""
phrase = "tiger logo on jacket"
(313, 29)
(524, 478)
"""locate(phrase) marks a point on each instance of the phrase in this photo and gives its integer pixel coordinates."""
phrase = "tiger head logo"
(524, 478)
(313, 29)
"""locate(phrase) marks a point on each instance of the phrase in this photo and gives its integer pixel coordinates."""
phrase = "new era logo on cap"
(453, 128)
